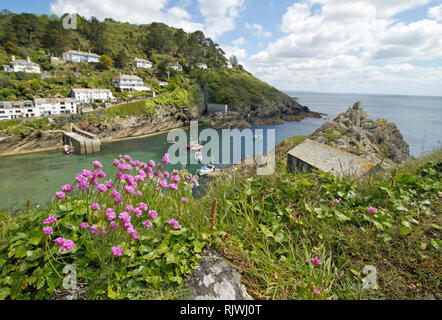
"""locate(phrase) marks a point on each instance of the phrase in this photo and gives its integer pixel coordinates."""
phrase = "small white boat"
(204, 170)
(195, 145)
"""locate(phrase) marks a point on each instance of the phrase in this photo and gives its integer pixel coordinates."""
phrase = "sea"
(37, 176)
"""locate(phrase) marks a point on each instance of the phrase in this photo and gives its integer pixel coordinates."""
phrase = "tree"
(122, 59)
(105, 62)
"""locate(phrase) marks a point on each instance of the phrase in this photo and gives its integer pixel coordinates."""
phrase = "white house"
(82, 95)
(80, 56)
(37, 108)
(52, 106)
(22, 66)
(163, 83)
(176, 67)
(201, 65)
(17, 109)
(127, 82)
(229, 65)
(142, 63)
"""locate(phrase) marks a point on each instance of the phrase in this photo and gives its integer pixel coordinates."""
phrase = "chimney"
(13, 58)
(27, 59)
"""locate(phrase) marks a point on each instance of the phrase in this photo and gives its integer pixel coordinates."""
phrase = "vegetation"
(307, 236)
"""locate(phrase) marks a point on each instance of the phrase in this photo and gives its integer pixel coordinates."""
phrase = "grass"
(269, 228)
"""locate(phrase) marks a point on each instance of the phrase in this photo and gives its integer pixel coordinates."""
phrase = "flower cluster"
(115, 204)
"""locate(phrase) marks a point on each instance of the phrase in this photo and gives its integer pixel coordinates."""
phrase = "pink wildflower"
(60, 195)
(151, 163)
(113, 225)
(316, 291)
(50, 219)
(336, 201)
(138, 212)
(59, 241)
(173, 223)
(95, 207)
(184, 200)
(316, 261)
(47, 230)
(67, 188)
(97, 164)
(129, 208)
(94, 228)
(147, 224)
(117, 251)
(142, 206)
(165, 159)
(84, 225)
(101, 188)
(153, 214)
(371, 210)
(110, 214)
(67, 245)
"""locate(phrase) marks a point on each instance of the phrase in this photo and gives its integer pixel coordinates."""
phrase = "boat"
(206, 169)
(67, 149)
(198, 156)
(194, 146)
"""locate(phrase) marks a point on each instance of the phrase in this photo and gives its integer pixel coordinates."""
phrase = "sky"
(342, 46)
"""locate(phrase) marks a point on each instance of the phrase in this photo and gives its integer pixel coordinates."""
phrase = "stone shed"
(314, 155)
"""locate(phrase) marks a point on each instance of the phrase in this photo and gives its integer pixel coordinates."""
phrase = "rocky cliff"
(355, 132)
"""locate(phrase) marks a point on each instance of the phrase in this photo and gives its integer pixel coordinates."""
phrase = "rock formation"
(355, 132)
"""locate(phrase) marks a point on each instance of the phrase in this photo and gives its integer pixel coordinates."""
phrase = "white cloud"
(240, 53)
(435, 13)
(258, 30)
(133, 11)
(351, 44)
(239, 42)
(219, 16)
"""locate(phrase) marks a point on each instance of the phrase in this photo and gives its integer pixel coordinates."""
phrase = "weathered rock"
(214, 279)
(355, 132)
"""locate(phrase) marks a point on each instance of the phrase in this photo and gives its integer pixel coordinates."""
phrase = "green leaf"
(342, 217)
(36, 237)
(436, 243)
(4, 293)
(266, 231)
(403, 231)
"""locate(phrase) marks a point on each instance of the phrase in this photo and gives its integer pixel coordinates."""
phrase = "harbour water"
(38, 176)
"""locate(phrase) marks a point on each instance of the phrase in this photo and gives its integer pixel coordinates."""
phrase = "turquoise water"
(37, 176)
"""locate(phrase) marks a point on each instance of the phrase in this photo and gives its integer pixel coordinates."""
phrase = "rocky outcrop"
(214, 279)
(355, 132)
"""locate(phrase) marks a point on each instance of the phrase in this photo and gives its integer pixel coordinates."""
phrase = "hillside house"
(81, 56)
(22, 66)
(163, 83)
(201, 65)
(142, 63)
(128, 82)
(176, 67)
(82, 95)
(310, 155)
(36, 108)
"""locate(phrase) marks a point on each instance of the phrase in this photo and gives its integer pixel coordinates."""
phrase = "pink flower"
(117, 200)
(127, 158)
(116, 162)
(151, 163)
(60, 195)
(166, 174)
(84, 225)
(95, 207)
(173, 223)
(115, 194)
(153, 214)
(194, 181)
(101, 188)
(110, 214)
(371, 210)
(109, 184)
(47, 230)
(176, 179)
(184, 200)
(336, 201)
(67, 188)
(133, 233)
(94, 228)
(165, 159)
(172, 186)
(175, 172)
(142, 206)
(129, 208)
(113, 225)
(316, 261)
(161, 166)
(117, 251)
(316, 291)
(87, 173)
(97, 164)
(59, 241)
(139, 193)
(147, 224)
(124, 216)
(128, 189)
(67, 245)
(50, 219)
(138, 212)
